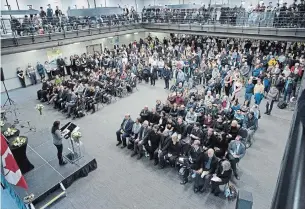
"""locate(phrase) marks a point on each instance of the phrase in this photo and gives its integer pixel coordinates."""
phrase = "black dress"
(22, 80)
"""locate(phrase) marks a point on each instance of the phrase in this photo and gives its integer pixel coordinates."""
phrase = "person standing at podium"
(57, 141)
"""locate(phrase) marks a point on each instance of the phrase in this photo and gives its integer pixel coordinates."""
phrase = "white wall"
(157, 34)
(64, 4)
(12, 61)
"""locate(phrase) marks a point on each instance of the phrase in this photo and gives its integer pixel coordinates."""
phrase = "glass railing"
(290, 189)
(23, 27)
(240, 18)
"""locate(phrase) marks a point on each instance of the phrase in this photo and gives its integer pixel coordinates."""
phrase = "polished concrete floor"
(124, 182)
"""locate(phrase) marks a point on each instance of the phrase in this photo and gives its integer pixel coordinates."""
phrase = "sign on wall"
(53, 55)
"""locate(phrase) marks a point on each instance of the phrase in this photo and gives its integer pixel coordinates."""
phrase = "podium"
(74, 148)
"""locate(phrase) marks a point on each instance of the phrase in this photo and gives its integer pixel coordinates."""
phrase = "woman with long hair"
(57, 141)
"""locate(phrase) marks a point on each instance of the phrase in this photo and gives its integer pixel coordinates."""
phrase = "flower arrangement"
(39, 107)
(19, 141)
(76, 135)
(10, 132)
(2, 123)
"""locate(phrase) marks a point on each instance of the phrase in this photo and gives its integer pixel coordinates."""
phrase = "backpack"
(282, 104)
(230, 192)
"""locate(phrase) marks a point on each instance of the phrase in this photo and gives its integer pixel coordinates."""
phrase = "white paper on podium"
(216, 179)
(204, 173)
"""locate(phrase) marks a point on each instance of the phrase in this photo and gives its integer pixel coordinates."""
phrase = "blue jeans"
(160, 72)
(248, 96)
(287, 96)
(258, 98)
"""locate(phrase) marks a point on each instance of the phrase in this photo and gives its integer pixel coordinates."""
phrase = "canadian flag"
(11, 170)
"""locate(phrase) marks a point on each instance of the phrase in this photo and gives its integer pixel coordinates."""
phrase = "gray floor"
(123, 182)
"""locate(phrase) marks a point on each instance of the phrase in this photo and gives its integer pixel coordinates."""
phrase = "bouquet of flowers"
(19, 141)
(10, 132)
(1, 123)
(76, 135)
(39, 107)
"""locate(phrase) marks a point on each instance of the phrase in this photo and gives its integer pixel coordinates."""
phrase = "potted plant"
(19, 141)
(39, 107)
(10, 132)
(76, 135)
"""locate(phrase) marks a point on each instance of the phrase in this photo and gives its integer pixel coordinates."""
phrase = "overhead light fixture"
(110, 37)
(136, 33)
(77, 43)
(33, 50)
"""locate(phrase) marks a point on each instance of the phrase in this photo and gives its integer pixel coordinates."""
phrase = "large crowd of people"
(49, 20)
(205, 128)
(258, 15)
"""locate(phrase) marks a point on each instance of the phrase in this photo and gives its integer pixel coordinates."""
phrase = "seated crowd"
(197, 133)
(92, 79)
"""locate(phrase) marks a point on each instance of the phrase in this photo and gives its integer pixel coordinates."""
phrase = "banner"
(53, 55)
(8, 187)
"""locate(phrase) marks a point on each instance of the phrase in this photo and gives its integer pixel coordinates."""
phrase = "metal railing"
(239, 18)
(290, 189)
(33, 26)
(22, 27)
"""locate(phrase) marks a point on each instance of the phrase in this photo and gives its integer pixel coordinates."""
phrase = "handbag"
(230, 192)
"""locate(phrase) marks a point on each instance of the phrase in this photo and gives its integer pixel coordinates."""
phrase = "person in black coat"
(173, 152)
(181, 128)
(145, 114)
(221, 176)
(192, 157)
(154, 117)
(162, 122)
(221, 145)
(205, 166)
(61, 66)
(209, 139)
(153, 76)
(166, 76)
(161, 151)
(153, 141)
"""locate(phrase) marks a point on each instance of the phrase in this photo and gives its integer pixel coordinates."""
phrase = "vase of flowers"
(10, 132)
(76, 135)
(39, 107)
(19, 141)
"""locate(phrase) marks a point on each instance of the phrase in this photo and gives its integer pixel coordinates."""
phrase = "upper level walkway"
(256, 25)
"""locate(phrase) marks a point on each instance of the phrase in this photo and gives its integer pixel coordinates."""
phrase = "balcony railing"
(242, 18)
(22, 27)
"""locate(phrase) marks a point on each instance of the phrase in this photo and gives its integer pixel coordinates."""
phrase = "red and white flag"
(11, 170)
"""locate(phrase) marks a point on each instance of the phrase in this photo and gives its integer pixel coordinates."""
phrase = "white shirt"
(125, 60)
(161, 64)
(154, 63)
(237, 149)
